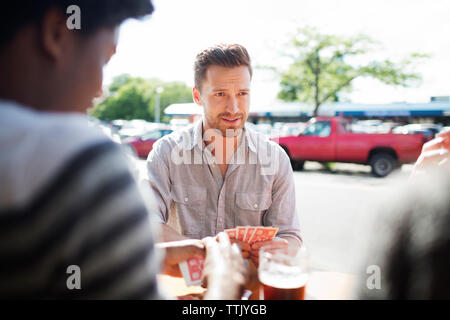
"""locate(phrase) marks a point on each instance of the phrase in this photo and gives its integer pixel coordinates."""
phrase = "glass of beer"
(283, 273)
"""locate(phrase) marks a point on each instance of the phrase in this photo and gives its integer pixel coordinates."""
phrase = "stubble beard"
(226, 131)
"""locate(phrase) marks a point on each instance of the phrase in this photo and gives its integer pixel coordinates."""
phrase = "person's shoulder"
(70, 124)
(47, 131)
(41, 144)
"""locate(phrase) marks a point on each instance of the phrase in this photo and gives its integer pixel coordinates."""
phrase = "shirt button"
(255, 206)
(186, 199)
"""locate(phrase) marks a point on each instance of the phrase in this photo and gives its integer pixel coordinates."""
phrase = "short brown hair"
(224, 55)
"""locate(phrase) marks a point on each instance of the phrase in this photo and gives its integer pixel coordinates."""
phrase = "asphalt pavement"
(339, 209)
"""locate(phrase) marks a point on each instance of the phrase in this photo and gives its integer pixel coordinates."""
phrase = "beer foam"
(283, 277)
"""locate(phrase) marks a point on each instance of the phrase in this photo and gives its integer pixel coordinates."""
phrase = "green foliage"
(135, 98)
(325, 65)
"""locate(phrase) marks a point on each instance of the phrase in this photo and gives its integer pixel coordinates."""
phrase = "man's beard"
(227, 130)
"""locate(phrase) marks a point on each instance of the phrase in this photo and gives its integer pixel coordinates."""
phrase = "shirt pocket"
(250, 208)
(190, 202)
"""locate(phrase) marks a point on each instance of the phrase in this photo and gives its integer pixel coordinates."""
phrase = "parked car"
(176, 124)
(444, 130)
(142, 145)
(330, 139)
(117, 125)
(132, 128)
(427, 131)
(373, 126)
(292, 129)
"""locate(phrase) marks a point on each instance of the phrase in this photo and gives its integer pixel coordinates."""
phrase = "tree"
(325, 65)
(135, 98)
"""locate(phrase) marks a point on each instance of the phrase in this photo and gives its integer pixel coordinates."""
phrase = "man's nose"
(232, 106)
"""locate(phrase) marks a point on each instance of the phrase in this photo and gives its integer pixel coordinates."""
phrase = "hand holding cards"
(252, 234)
(193, 267)
(192, 270)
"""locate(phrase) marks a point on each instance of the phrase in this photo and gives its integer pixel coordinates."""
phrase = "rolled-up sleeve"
(158, 179)
(282, 212)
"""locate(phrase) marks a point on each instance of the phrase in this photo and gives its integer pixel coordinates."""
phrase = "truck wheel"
(297, 165)
(382, 164)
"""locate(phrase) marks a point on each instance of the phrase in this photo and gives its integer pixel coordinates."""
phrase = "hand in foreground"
(275, 243)
(178, 251)
(245, 247)
(224, 272)
(435, 153)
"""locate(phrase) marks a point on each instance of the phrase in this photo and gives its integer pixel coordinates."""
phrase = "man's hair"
(224, 55)
(95, 14)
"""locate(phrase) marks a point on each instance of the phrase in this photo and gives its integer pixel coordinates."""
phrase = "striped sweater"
(68, 199)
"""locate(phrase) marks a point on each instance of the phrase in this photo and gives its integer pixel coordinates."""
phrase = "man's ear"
(196, 96)
(54, 34)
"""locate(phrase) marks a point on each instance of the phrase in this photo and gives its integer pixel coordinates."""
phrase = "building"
(437, 111)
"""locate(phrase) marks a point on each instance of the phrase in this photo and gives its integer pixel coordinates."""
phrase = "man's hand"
(275, 243)
(224, 272)
(178, 251)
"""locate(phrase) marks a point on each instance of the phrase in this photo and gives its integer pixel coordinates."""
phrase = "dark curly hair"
(94, 13)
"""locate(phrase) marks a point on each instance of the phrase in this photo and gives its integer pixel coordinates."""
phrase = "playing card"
(192, 270)
(263, 234)
(241, 231)
(249, 234)
(231, 233)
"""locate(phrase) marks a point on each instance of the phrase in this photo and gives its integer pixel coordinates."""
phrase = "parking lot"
(338, 211)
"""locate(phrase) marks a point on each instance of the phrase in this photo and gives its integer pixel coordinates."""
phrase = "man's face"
(225, 97)
(84, 68)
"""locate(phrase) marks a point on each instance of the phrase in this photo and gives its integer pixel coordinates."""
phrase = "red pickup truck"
(329, 139)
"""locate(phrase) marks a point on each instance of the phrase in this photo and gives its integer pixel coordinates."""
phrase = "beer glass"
(283, 273)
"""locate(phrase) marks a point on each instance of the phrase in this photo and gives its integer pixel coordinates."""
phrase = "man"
(72, 222)
(218, 173)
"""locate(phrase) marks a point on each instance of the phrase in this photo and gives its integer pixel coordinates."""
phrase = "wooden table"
(322, 285)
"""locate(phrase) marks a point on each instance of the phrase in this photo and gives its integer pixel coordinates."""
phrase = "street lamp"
(159, 90)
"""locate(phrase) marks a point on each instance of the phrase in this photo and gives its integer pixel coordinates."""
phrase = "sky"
(164, 46)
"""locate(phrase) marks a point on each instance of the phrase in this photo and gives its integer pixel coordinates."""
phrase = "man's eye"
(219, 94)
(243, 93)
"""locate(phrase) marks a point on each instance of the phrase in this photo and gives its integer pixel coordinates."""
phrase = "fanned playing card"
(249, 233)
(192, 270)
(241, 231)
(231, 233)
(252, 234)
(263, 234)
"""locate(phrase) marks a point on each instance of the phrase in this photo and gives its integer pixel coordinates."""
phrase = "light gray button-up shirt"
(193, 197)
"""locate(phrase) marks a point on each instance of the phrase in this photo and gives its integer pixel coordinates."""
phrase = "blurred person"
(212, 191)
(67, 197)
(435, 154)
(412, 243)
